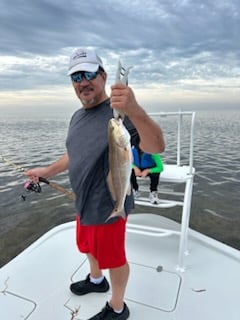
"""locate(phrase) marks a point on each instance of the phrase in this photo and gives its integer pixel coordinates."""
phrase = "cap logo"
(80, 55)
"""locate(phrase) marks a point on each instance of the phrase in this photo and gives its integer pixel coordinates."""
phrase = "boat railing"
(174, 173)
(180, 114)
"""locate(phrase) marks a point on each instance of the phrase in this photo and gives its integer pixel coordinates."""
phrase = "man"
(102, 239)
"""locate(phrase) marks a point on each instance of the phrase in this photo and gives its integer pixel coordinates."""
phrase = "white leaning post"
(186, 177)
(183, 246)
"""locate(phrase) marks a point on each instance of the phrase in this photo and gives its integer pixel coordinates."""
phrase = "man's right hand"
(36, 173)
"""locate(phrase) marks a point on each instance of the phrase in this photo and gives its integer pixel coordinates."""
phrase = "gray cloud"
(168, 42)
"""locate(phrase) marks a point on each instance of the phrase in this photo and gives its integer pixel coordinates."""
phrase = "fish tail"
(117, 213)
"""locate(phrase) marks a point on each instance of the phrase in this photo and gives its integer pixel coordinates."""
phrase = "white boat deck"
(35, 285)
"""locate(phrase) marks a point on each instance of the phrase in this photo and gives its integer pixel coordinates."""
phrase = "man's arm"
(49, 171)
(151, 136)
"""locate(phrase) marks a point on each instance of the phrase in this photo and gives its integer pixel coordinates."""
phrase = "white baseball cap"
(84, 60)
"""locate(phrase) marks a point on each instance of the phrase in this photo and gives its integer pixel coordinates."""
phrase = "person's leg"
(110, 254)
(154, 181)
(153, 195)
(134, 181)
(95, 281)
(95, 272)
(119, 278)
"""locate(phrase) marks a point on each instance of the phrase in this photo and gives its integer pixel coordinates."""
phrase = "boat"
(176, 273)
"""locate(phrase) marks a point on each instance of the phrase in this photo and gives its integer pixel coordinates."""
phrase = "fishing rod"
(35, 187)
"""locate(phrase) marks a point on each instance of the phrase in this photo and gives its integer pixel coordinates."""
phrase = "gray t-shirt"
(87, 147)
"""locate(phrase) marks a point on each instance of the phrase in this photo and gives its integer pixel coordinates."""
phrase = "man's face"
(91, 92)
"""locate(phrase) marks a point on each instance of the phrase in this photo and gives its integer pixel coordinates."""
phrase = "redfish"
(120, 165)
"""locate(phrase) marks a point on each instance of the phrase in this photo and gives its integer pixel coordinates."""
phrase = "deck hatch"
(158, 290)
(13, 306)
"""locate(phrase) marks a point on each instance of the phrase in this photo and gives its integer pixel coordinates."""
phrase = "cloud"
(189, 47)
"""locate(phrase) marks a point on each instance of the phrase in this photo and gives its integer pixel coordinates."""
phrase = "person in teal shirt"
(146, 164)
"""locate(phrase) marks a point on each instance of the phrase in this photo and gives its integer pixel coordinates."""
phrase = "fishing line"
(31, 186)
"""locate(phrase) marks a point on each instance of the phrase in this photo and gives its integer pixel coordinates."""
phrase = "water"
(30, 138)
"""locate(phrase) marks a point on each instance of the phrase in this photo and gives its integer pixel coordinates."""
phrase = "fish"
(120, 165)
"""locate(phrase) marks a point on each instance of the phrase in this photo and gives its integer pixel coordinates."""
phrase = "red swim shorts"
(106, 243)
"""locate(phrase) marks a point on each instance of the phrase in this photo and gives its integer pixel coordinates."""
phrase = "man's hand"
(123, 99)
(36, 173)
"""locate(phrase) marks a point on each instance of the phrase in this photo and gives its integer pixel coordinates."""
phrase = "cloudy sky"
(185, 53)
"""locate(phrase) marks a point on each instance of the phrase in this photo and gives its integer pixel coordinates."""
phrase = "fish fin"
(110, 186)
(116, 213)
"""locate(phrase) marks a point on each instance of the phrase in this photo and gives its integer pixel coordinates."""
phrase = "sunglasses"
(78, 76)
